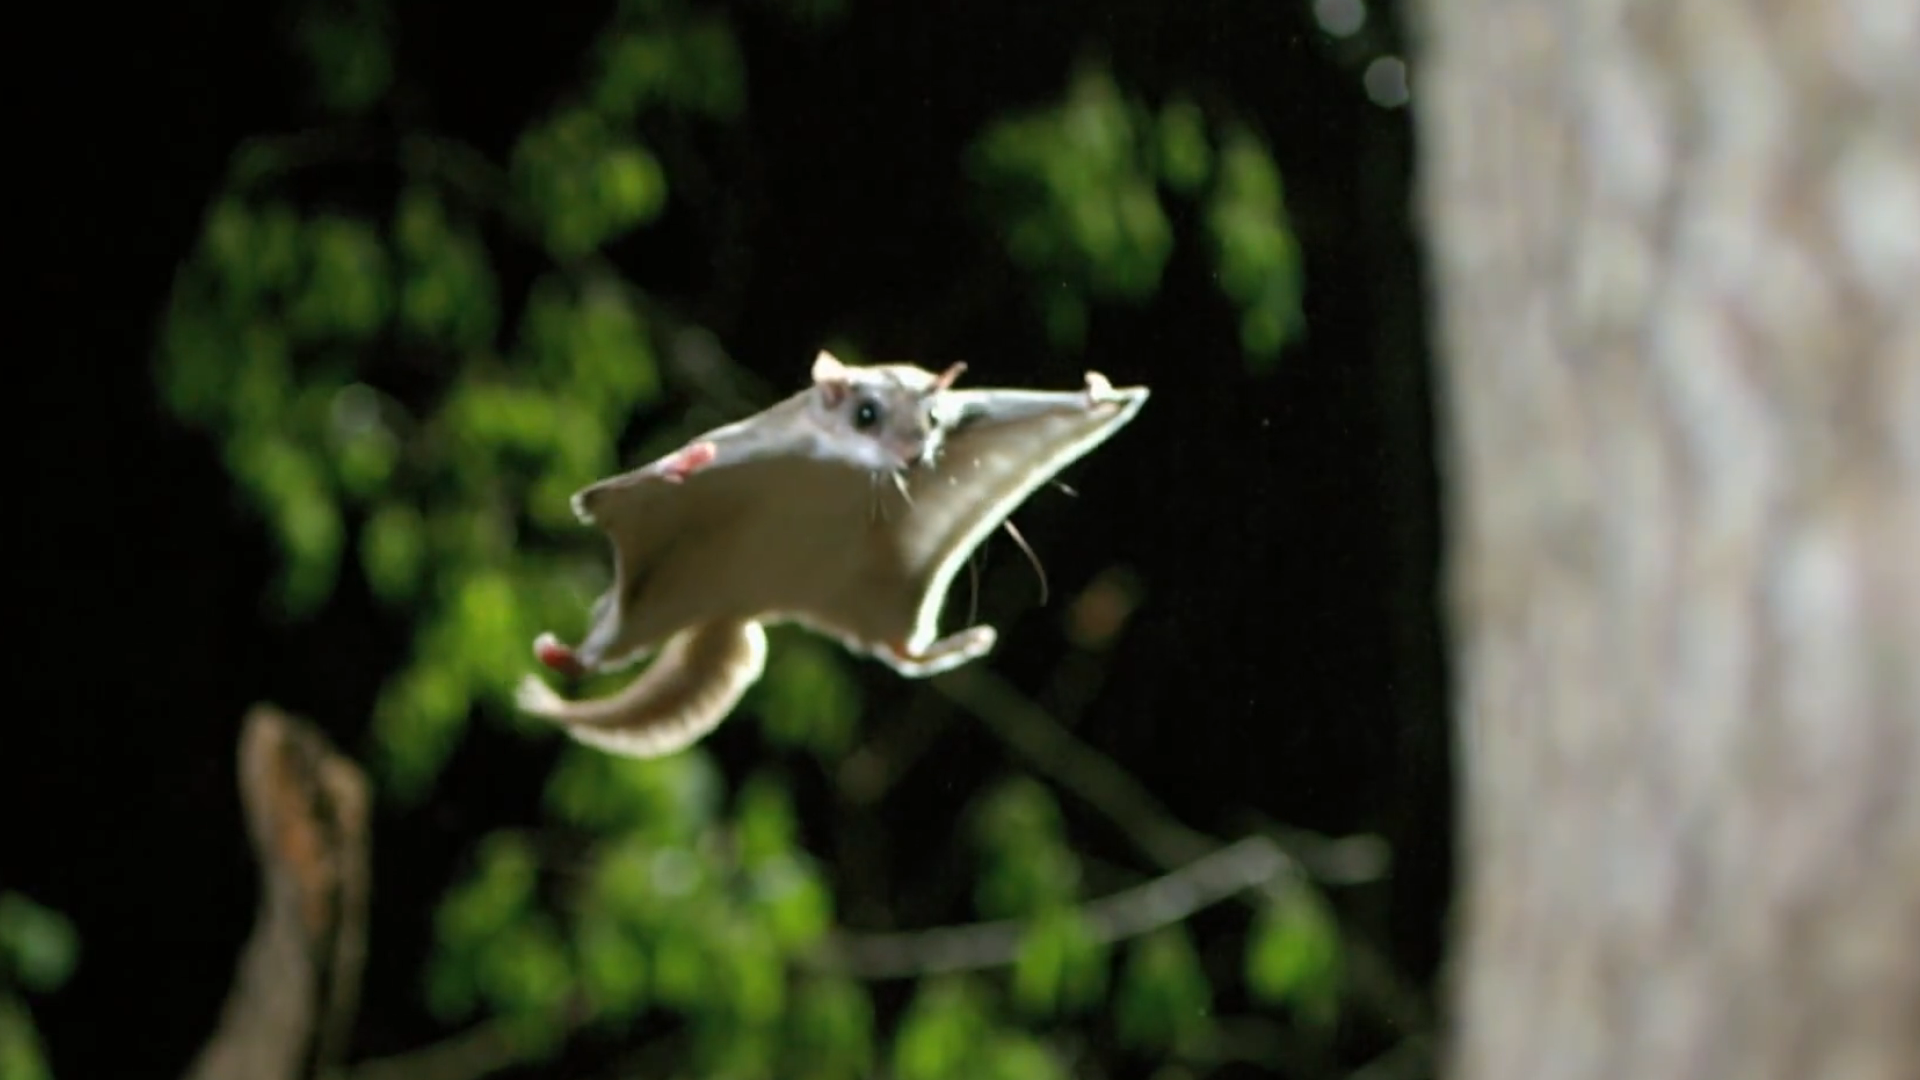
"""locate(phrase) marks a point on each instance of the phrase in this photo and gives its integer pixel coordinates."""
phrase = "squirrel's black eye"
(865, 415)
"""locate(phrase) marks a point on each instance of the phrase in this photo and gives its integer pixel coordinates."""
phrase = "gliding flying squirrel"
(847, 508)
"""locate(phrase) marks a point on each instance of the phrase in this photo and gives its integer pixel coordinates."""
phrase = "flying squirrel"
(847, 508)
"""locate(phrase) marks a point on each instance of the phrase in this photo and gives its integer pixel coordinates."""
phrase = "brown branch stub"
(291, 1007)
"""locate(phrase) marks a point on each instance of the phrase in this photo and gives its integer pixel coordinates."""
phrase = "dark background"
(1287, 662)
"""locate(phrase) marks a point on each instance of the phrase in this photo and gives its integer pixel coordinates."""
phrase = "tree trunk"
(1677, 252)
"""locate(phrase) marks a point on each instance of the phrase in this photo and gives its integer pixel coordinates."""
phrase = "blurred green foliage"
(1257, 256)
(38, 947)
(684, 905)
(1026, 865)
(22, 1057)
(1293, 956)
(38, 952)
(384, 407)
(590, 181)
(1080, 202)
(669, 55)
(951, 1031)
(1076, 191)
(1164, 996)
(807, 699)
(348, 48)
(1062, 966)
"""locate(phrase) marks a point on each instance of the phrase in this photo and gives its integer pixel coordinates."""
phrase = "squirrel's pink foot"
(687, 461)
(549, 651)
(943, 655)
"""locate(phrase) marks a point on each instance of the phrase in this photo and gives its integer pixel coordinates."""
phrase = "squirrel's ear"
(950, 376)
(830, 377)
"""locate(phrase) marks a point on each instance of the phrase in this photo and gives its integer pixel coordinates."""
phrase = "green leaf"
(523, 970)
(666, 800)
(251, 253)
(365, 448)
(807, 698)
(726, 1047)
(690, 63)
(484, 930)
(587, 183)
(1293, 955)
(1013, 1055)
(347, 289)
(830, 1030)
(488, 417)
(1186, 158)
(1061, 967)
(348, 50)
(685, 976)
(632, 185)
(1257, 255)
(227, 246)
(764, 825)
(942, 1033)
(752, 973)
(791, 900)
(21, 1055)
(497, 893)
(37, 944)
(613, 965)
(393, 551)
(486, 631)
(419, 717)
(1027, 866)
(448, 293)
(1164, 996)
(1074, 189)
(197, 356)
(609, 362)
(288, 481)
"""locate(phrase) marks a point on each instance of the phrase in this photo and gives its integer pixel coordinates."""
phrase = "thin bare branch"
(1092, 776)
(1245, 864)
(1102, 784)
(481, 1050)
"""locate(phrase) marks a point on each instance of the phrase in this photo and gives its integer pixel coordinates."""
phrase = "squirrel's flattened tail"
(686, 692)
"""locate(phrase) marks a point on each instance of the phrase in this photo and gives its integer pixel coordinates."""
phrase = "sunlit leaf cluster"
(370, 394)
(1079, 188)
(590, 180)
(953, 1031)
(298, 337)
(684, 905)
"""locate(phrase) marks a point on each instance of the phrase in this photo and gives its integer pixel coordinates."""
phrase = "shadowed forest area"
(346, 299)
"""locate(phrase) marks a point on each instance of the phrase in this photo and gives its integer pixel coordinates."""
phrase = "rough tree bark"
(1677, 248)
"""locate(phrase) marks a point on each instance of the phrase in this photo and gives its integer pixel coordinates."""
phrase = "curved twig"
(1245, 864)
